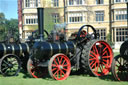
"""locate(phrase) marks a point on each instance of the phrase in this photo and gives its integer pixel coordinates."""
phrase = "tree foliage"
(8, 28)
(2, 18)
(109, 41)
(48, 21)
(2, 26)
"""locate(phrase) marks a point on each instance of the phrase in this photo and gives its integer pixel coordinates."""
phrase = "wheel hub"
(99, 58)
(10, 65)
(60, 67)
(122, 68)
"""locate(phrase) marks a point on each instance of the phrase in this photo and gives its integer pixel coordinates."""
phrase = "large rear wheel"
(97, 57)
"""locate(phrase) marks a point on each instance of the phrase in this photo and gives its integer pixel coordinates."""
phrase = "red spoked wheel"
(59, 67)
(97, 55)
(120, 68)
(36, 71)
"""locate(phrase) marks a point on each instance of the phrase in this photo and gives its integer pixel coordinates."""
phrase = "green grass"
(24, 79)
(72, 80)
(116, 53)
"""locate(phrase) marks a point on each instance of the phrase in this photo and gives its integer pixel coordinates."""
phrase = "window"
(125, 0)
(79, 2)
(36, 3)
(71, 2)
(55, 18)
(55, 3)
(99, 16)
(121, 34)
(76, 2)
(117, 0)
(121, 15)
(31, 20)
(75, 17)
(102, 33)
(99, 1)
(32, 3)
(27, 3)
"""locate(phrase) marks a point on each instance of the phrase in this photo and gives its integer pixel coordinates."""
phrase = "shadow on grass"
(47, 76)
(27, 75)
(108, 77)
(73, 73)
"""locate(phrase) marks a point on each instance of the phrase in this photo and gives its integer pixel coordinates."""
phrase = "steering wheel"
(86, 34)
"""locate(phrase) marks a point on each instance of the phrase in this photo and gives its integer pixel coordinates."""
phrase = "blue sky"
(9, 8)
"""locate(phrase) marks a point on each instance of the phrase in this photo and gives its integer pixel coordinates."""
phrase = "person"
(61, 35)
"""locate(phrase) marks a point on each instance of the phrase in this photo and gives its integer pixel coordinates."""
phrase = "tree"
(2, 18)
(2, 26)
(109, 40)
(8, 28)
(12, 29)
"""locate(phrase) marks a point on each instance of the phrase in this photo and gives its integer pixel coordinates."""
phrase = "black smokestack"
(41, 22)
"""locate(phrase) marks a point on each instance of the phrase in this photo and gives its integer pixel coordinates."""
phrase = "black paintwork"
(124, 50)
(17, 49)
(45, 50)
(41, 22)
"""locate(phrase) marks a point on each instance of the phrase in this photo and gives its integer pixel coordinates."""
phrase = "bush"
(109, 41)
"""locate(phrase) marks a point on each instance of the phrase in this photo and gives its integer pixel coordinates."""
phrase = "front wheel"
(35, 70)
(59, 67)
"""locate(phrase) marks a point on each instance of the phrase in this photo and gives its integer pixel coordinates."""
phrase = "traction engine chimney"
(41, 22)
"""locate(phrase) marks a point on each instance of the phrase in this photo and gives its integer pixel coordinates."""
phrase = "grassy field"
(72, 80)
(24, 79)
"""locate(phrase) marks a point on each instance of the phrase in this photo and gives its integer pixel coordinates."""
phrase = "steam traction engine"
(59, 56)
(120, 64)
(12, 57)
